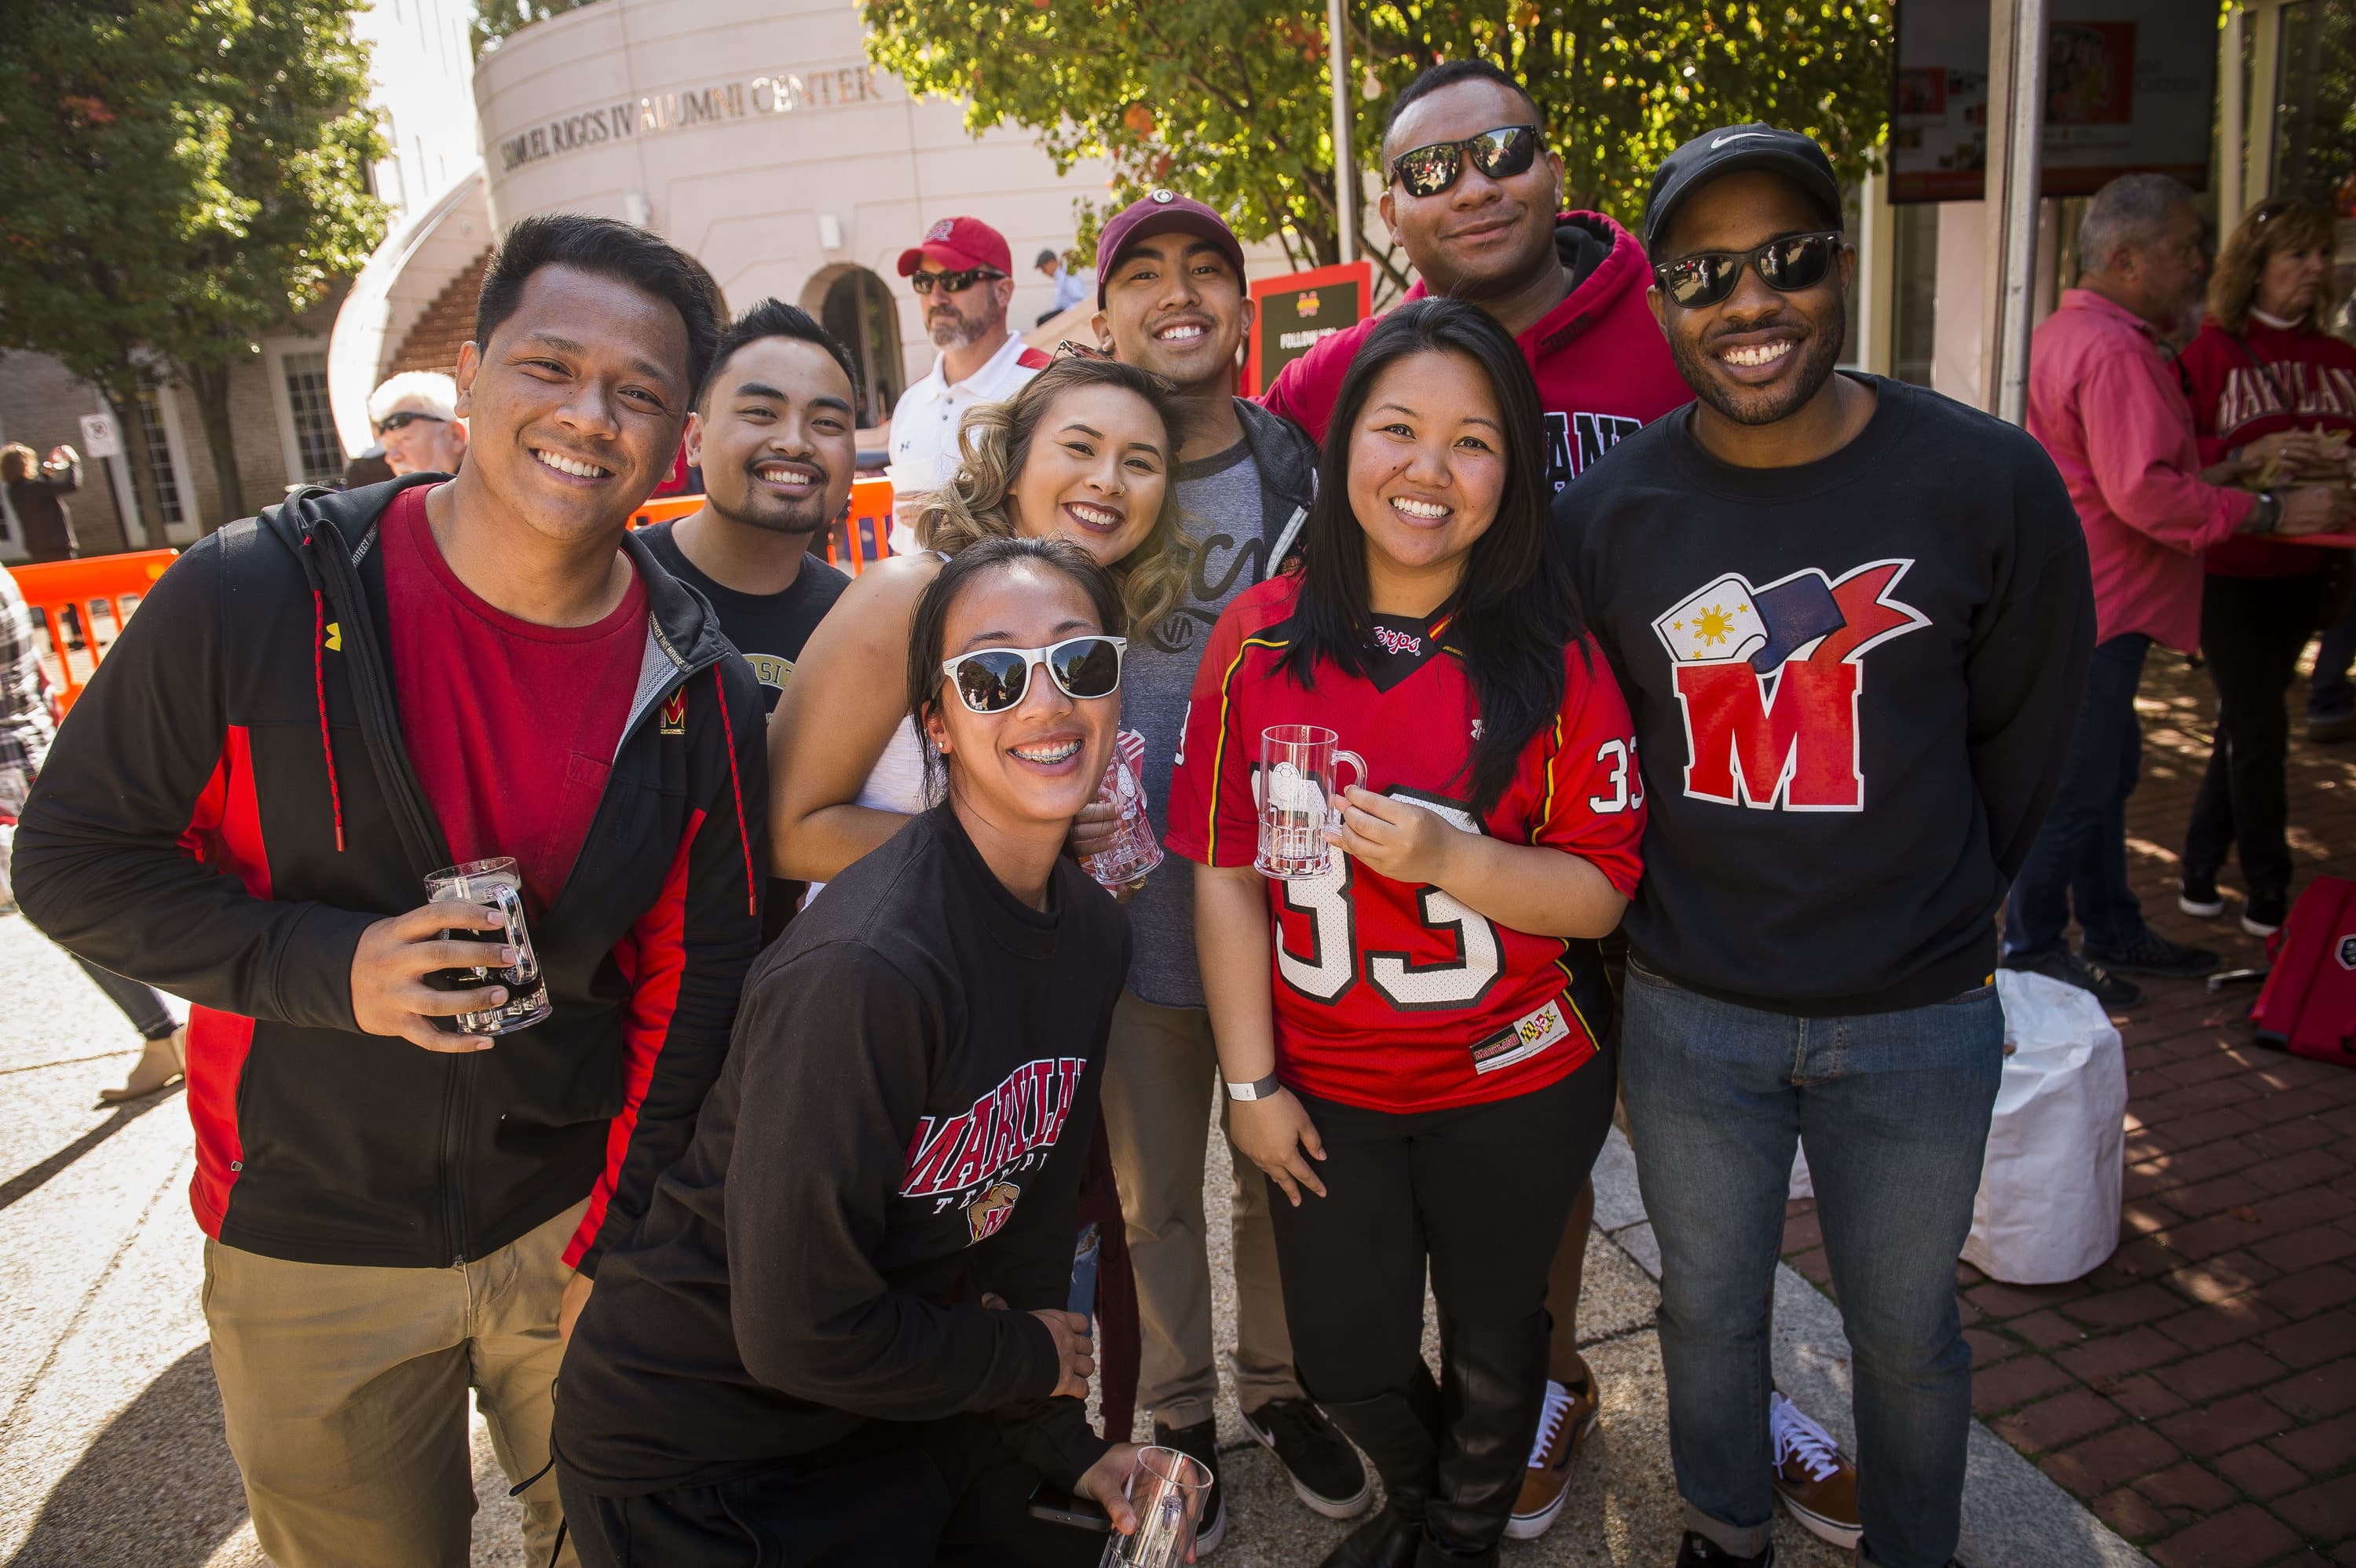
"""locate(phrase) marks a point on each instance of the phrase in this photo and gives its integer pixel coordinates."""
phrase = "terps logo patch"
(987, 1215)
(1397, 642)
(969, 1158)
(1770, 679)
(674, 720)
(939, 232)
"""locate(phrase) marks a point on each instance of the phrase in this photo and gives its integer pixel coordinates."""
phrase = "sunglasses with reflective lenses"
(1790, 264)
(991, 680)
(951, 283)
(1500, 154)
(405, 418)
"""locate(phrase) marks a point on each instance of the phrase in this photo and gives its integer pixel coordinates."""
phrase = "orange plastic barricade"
(860, 540)
(99, 588)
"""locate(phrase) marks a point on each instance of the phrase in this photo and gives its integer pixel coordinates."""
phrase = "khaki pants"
(1161, 1072)
(345, 1395)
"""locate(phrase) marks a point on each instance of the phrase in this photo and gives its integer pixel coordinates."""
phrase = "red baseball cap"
(1163, 212)
(959, 244)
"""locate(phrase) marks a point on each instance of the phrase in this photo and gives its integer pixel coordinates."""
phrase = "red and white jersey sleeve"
(1389, 995)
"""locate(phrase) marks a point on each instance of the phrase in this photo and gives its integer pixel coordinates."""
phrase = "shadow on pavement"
(158, 1487)
(30, 1181)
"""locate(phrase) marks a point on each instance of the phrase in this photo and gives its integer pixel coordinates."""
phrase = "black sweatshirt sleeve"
(836, 1047)
(144, 757)
(1030, 1266)
(2026, 668)
(696, 946)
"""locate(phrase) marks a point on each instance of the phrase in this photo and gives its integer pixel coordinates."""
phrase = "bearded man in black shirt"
(1851, 619)
(775, 432)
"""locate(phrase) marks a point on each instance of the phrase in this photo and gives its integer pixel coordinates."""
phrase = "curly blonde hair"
(994, 444)
(2265, 231)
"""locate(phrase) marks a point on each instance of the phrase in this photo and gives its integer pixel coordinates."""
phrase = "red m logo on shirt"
(1769, 681)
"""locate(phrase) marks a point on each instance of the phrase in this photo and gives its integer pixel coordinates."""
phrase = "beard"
(950, 330)
(1818, 354)
(800, 519)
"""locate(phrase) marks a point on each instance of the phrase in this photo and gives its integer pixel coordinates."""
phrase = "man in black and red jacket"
(313, 710)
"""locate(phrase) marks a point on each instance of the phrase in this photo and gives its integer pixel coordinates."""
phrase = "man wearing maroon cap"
(1170, 298)
(963, 275)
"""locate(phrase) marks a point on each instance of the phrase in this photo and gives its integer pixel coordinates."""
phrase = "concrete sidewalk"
(110, 1448)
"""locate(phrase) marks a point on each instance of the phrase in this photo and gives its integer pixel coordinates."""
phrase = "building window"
(1914, 256)
(316, 442)
(157, 446)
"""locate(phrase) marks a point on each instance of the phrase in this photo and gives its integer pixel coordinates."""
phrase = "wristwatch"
(2266, 515)
(1260, 1088)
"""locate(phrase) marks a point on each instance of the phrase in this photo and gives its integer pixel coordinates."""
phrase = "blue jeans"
(1895, 1107)
(2329, 695)
(2080, 857)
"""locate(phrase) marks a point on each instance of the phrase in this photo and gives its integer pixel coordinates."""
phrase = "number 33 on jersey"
(1389, 995)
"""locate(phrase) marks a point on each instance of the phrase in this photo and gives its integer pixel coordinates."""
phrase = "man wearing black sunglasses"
(962, 272)
(415, 418)
(1474, 195)
(1851, 619)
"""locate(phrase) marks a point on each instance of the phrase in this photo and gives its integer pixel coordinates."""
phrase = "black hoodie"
(900, 1129)
(230, 805)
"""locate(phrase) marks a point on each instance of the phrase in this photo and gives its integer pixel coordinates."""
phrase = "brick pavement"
(2199, 1389)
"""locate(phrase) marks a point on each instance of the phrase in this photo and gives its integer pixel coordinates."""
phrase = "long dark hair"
(1518, 606)
(930, 624)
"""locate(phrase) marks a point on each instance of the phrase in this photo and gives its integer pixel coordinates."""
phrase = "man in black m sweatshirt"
(1851, 619)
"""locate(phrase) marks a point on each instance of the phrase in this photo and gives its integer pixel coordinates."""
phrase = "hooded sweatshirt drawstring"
(319, 686)
(736, 788)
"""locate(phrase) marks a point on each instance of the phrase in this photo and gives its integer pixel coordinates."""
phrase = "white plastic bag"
(2048, 1209)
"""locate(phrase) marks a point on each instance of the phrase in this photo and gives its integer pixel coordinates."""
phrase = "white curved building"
(750, 133)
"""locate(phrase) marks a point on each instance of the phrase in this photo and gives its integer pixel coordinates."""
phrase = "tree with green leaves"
(184, 176)
(1231, 99)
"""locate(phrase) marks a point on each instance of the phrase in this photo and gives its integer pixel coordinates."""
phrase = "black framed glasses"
(1789, 263)
(991, 680)
(1500, 154)
(952, 282)
(406, 417)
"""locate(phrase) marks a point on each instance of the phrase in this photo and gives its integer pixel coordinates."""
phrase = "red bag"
(2309, 1004)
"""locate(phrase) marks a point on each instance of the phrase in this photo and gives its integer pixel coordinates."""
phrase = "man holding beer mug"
(478, 686)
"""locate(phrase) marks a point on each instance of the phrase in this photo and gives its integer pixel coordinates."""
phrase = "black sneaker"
(1700, 1551)
(2071, 970)
(1326, 1472)
(2331, 727)
(2199, 896)
(2152, 954)
(1201, 1442)
(2264, 914)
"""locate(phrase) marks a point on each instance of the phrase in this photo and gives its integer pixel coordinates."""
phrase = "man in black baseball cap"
(1852, 656)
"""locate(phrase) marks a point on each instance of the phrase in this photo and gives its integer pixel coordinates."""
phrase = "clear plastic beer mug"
(1300, 799)
(1134, 851)
(1168, 1490)
(496, 885)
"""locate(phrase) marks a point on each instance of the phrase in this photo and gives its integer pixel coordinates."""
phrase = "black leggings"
(1482, 1192)
(896, 1496)
(2252, 630)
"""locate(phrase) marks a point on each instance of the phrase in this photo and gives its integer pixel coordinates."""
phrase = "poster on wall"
(2130, 86)
(1296, 310)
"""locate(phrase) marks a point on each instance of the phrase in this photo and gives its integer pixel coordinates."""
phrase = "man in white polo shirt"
(962, 274)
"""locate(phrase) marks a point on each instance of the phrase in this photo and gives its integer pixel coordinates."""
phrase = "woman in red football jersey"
(1416, 1044)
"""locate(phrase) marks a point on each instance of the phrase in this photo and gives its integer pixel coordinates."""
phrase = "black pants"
(908, 1495)
(1480, 1194)
(2252, 632)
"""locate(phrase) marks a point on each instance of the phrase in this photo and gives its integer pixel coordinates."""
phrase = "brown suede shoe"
(1814, 1478)
(1568, 1416)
